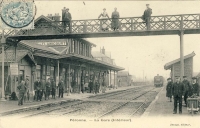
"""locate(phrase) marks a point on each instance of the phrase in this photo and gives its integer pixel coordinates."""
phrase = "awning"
(81, 58)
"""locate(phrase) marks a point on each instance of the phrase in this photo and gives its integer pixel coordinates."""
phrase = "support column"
(68, 90)
(110, 80)
(79, 73)
(181, 55)
(58, 77)
(114, 80)
(3, 41)
(15, 77)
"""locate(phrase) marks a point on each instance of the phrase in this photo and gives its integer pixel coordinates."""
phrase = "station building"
(174, 66)
(70, 59)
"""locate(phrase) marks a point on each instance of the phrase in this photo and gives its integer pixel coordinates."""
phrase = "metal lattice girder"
(128, 24)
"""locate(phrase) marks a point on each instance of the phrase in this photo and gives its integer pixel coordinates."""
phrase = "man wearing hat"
(61, 88)
(195, 86)
(169, 88)
(177, 92)
(147, 16)
(66, 17)
(186, 84)
(43, 89)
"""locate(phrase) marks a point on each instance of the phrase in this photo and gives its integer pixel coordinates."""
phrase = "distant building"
(174, 66)
(102, 55)
(124, 78)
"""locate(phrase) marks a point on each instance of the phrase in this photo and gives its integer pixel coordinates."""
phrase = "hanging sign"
(14, 69)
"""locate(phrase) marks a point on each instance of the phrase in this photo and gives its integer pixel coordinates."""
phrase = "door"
(21, 75)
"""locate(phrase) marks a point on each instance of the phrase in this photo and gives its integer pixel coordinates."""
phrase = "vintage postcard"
(99, 64)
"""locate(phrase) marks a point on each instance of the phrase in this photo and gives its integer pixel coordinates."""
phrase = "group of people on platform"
(94, 87)
(115, 23)
(45, 89)
(41, 88)
(179, 90)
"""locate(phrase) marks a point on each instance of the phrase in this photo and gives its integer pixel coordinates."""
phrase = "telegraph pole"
(3, 41)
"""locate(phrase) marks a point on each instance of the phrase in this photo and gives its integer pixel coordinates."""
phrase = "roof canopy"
(9, 56)
(169, 64)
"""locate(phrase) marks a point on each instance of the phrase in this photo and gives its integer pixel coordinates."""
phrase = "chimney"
(50, 16)
(103, 50)
(56, 17)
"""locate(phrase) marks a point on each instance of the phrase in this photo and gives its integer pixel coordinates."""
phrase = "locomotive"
(158, 81)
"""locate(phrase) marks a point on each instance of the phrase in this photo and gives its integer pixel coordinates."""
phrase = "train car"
(158, 81)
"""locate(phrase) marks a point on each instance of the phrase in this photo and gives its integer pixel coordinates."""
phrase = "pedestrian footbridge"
(129, 26)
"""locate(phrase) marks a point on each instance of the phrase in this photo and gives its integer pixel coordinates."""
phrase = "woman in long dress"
(115, 20)
(104, 21)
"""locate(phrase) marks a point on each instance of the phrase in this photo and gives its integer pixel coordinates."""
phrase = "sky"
(146, 54)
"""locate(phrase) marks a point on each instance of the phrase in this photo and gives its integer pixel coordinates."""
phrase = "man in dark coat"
(66, 18)
(177, 92)
(37, 89)
(90, 86)
(53, 88)
(147, 16)
(187, 87)
(195, 86)
(61, 88)
(169, 89)
(43, 89)
(22, 90)
(48, 88)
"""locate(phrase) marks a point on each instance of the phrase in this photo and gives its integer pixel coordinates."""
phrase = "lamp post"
(3, 41)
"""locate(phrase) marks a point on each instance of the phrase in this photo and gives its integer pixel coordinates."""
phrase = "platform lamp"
(3, 42)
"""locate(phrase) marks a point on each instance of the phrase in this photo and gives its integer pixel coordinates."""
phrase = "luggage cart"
(193, 105)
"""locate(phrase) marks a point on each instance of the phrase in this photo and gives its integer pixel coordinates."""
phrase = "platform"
(10, 106)
(162, 107)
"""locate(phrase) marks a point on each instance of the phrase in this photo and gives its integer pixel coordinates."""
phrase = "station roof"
(9, 56)
(81, 58)
(123, 73)
(169, 64)
(44, 18)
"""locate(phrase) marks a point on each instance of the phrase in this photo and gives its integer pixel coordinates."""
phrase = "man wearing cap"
(27, 93)
(48, 88)
(169, 89)
(66, 17)
(147, 16)
(22, 90)
(195, 86)
(53, 88)
(186, 84)
(177, 92)
(37, 87)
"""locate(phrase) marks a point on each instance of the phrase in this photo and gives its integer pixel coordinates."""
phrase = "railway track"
(91, 107)
(124, 104)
